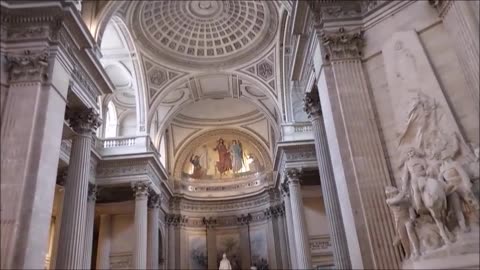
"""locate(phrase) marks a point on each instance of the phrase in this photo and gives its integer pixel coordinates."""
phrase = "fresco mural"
(258, 244)
(223, 157)
(230, 244)
(198, 252)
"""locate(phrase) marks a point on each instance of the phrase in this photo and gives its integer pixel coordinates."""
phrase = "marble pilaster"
(329, 190)
(153, 237)
(72, 231)
(462, 25)
(31, 130)
(140, 190)
(172, 223)
(289, 222)
(104, 242)
(361, 162)
(302, 243)
(92, 197)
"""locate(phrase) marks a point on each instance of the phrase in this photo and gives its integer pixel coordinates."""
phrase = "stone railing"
(124, 145)
(297, 131)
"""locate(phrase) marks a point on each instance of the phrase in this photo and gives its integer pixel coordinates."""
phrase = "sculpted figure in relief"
(404, 216)
(429, 195)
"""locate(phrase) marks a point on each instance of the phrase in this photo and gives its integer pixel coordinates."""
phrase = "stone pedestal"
(153, 238)
(140, 245)
(462, 254)
(302, 243)
(72, 231)
(329, 189)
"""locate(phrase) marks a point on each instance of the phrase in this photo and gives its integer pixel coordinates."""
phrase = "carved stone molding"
(441, 6)
(293, 175)
(92, 192)
(209, 222)
(285, 189)
(176, 220)
(140, 189)
(312, 105)
(343, 44)
(84, 121)
(154, 201)
(275, 211)
(28, 66)
(245, 219)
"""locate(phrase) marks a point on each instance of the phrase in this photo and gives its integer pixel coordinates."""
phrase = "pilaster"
(289, 227)
(104, 242)
(91, 199)
(363, 170)
(462, 25)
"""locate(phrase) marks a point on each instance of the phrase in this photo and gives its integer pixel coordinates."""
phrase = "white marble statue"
(225, 263)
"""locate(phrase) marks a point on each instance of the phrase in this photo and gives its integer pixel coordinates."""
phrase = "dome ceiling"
(196, 33)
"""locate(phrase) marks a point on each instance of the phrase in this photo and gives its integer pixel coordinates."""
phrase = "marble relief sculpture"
(225, 263)
(435, 207)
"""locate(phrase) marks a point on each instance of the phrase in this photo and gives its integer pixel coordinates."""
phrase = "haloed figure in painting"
(224, 163)
(237, 156)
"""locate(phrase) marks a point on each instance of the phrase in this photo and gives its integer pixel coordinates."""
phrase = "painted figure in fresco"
(237, 155)
(197, 168)
(224, 163)
(225, 263)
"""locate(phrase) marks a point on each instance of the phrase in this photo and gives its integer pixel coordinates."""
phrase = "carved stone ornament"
(154, 201)
(28, 66)
(293, 175)
(245, 219)
(85, 121)
(441, 5)
(176, 220)
(209, 222)
(285, 189)
(140, 189)
(92, 192)
(342, 44)
(311, 103)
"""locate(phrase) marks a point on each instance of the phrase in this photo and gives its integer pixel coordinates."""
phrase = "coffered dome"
(204, 32)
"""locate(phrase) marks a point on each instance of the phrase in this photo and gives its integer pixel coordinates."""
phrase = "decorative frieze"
(343, 44)
(176, 220)
(84, 121)
(28, 66)
(209, 222)
(275, 211)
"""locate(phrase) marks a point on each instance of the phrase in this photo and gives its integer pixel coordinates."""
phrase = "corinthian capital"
(92, 192)
(311, 105)
(343, 44)
(85, 121)
(140, 189)
(154, 201)
(28, 66)
(293, 175)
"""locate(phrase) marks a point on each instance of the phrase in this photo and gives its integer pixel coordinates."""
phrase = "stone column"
(153, 244)
(72, 231)
(462, 25)
(210, 224)
(172, 222)
(356, 146)
(329, 189)
(140, 246)
(289, 220)
(302, 243)
(104, 236)
(92, 196)
(34, 90)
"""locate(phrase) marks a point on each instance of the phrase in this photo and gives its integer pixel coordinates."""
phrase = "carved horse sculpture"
(434, 196)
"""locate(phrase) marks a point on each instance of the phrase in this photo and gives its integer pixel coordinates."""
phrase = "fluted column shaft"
(72, 231)
(92, 190)
(329, 189)
(141, 217)
(360, 147)
(462, 25)
(153, 244)
(289, 220)
(302, 243)
(171, 245)
(104, 240)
